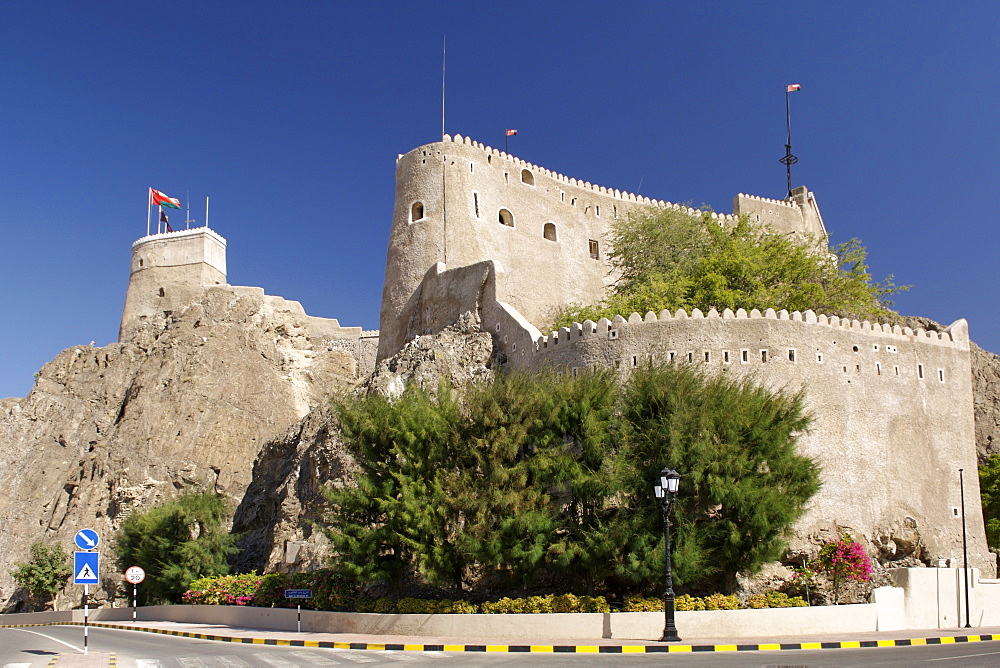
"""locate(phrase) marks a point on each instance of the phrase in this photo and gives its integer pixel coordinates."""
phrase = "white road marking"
(17, 665)
(72, 647)
(315, 658)
(148, 663)
(190, 661)
(231, 661)
(273, 660)
(964, 656)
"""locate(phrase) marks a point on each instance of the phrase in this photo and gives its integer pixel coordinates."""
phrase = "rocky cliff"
(187, 400)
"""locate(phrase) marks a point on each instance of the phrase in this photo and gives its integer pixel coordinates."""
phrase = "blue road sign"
(298, 593)
(86, 539)
(86, 566)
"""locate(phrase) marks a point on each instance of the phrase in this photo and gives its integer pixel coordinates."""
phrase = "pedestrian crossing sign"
(86, 566)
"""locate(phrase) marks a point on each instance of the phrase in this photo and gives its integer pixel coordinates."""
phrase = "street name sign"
(86, 566)
(298, 593)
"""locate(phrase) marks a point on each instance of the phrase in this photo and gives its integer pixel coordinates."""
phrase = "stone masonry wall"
(459, 203)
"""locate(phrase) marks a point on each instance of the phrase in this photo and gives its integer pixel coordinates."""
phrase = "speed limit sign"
(135, 575)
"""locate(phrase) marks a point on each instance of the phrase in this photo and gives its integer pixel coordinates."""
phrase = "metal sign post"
(298, 594)
(135, 575)
(86, 567)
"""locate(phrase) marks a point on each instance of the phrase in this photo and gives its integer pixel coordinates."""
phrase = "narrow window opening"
(505, 217)
(896, 369)
(791, 354)
(857, 368)
(725, 357)
(549, 231)
(489, 160)
(527, 177)
(594, 250)
(614, 210)
(690, 357)
(671, 355)
(819, 358)
(707, 358)
(162, 293)
(572, 202)
(472, 168)
(940, 375)
(506, 178)
(416, 212)
(763, 356)
(475, 204)
(597, 210)
(744, 356)
(635, 361)
(878, 369)
(140, 262)
(920, 371)
(562, 196)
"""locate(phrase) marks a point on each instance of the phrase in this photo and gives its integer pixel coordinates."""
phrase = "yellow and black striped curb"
(112, 659)
(569, 649)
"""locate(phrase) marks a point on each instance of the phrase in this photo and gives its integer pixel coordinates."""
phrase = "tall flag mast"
(789, 159)
(510, 133)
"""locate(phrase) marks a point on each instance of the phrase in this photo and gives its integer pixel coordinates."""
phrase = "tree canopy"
(547, 480)
(176, 543)
(669, 259)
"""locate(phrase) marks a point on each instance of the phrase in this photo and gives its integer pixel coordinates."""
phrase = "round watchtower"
(170, 271)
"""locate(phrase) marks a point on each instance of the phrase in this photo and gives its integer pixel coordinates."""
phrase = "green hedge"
(774, 599)
(333, 592)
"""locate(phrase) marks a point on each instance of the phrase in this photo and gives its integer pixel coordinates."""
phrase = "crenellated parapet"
(956, 335)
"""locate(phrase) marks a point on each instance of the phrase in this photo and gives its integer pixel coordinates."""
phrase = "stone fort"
(478, 230)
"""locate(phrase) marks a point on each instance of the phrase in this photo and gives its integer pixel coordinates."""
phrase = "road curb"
(541, 649)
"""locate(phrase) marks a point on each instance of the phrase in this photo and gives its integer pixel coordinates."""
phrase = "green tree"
(45, 574)
(668, 259)
(743, 483)
(175, 543)
(989, 488)
(546, 479)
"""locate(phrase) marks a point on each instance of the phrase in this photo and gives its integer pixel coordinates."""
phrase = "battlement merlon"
(798, 215)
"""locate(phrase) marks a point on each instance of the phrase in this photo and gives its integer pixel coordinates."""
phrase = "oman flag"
(159, 199)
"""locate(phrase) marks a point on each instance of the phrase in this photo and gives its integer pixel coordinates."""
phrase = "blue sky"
(290, 116)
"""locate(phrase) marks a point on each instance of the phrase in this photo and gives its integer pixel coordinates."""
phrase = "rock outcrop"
(281, 508)
(187, 400)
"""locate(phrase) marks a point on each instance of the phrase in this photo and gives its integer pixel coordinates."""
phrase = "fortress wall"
(892, 406)
(461, 187)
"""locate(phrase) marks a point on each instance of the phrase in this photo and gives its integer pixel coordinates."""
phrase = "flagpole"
(149, 206)
(206, 212)
(159, 217)
(788, 160)
(444, 62)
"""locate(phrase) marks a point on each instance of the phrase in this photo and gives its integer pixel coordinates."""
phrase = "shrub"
(46, 573)
(844, 558)
(758, 602)
(721, 602)
(687, 602)
(223, 590)
(643, 604)
(778, 599)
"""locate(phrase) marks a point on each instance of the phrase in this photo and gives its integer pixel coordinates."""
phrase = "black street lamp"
(665, 490)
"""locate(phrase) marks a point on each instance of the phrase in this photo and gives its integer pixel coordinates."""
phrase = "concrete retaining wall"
(620, 625)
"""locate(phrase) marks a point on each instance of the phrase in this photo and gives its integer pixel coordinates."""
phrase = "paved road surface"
(36, 647)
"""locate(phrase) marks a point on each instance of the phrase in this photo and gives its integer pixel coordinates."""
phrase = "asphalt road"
(35, 647)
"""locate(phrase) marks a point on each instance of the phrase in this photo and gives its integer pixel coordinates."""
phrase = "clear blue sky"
(289, 115)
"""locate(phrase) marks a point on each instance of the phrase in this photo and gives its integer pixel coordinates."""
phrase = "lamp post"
(665, 490)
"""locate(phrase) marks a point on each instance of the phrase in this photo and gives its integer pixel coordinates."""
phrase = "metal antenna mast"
(788, 160)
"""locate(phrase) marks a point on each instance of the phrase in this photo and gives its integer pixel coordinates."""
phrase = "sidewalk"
(609, 645)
